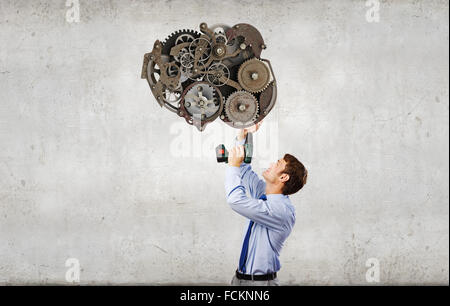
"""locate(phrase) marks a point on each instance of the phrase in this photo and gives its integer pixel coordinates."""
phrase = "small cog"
(203, 47)
(218, 74)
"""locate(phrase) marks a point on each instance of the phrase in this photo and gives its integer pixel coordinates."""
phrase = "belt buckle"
(241, 275)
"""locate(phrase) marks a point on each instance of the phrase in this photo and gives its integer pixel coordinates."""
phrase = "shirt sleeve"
(249, 178)
(254, 209)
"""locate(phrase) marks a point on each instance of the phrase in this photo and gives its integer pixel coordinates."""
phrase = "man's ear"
(284, 177)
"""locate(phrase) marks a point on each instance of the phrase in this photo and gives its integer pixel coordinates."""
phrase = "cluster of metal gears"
(215, 73)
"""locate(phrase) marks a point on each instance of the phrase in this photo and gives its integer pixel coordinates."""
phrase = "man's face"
(274, 172)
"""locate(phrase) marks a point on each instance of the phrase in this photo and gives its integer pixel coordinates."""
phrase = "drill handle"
(221, 154)
(248, 148)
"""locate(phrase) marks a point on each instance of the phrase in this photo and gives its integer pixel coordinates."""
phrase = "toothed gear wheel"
(202, 101)
(218, 74)
(183, 38)
(254, 75)
(203, 46)
(241, 108)
(178, 37)
(187, 71)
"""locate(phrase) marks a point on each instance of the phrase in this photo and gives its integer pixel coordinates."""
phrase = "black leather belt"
(262, 277)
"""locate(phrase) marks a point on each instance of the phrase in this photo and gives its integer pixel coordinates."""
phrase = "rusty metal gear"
(190, 69)
(201, 103)
(254, 75)
(177, 38)
(241, 108)
(201, 100)
(218, 74)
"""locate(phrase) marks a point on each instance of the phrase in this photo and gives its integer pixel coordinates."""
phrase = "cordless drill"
(222, 153)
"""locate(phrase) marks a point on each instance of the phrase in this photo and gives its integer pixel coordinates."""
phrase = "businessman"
(269, 210)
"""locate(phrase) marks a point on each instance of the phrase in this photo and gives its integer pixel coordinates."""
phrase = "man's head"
(288, 173)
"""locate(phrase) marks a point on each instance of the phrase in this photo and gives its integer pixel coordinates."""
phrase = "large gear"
(241, 108)
(254, 75)
(201, 103)
(183, 38)
(178, 37)
(190, 73)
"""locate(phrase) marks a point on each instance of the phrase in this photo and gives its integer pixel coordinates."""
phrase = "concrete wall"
(90, 167)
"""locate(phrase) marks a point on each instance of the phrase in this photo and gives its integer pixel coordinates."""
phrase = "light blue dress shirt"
(274, 218)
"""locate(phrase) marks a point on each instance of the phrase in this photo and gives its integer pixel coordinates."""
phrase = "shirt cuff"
(233, 170)
(239, 142)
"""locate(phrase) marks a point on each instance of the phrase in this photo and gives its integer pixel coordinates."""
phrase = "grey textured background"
(88, 169)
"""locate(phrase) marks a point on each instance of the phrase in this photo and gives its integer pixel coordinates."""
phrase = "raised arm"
(249, 178)
(254, 209)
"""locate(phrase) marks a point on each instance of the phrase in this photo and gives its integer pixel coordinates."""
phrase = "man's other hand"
(243, 132)
(236, 156)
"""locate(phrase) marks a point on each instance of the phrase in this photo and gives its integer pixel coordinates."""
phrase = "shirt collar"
(276, 196)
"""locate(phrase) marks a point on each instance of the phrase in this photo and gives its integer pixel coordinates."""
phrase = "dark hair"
(298, 175)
